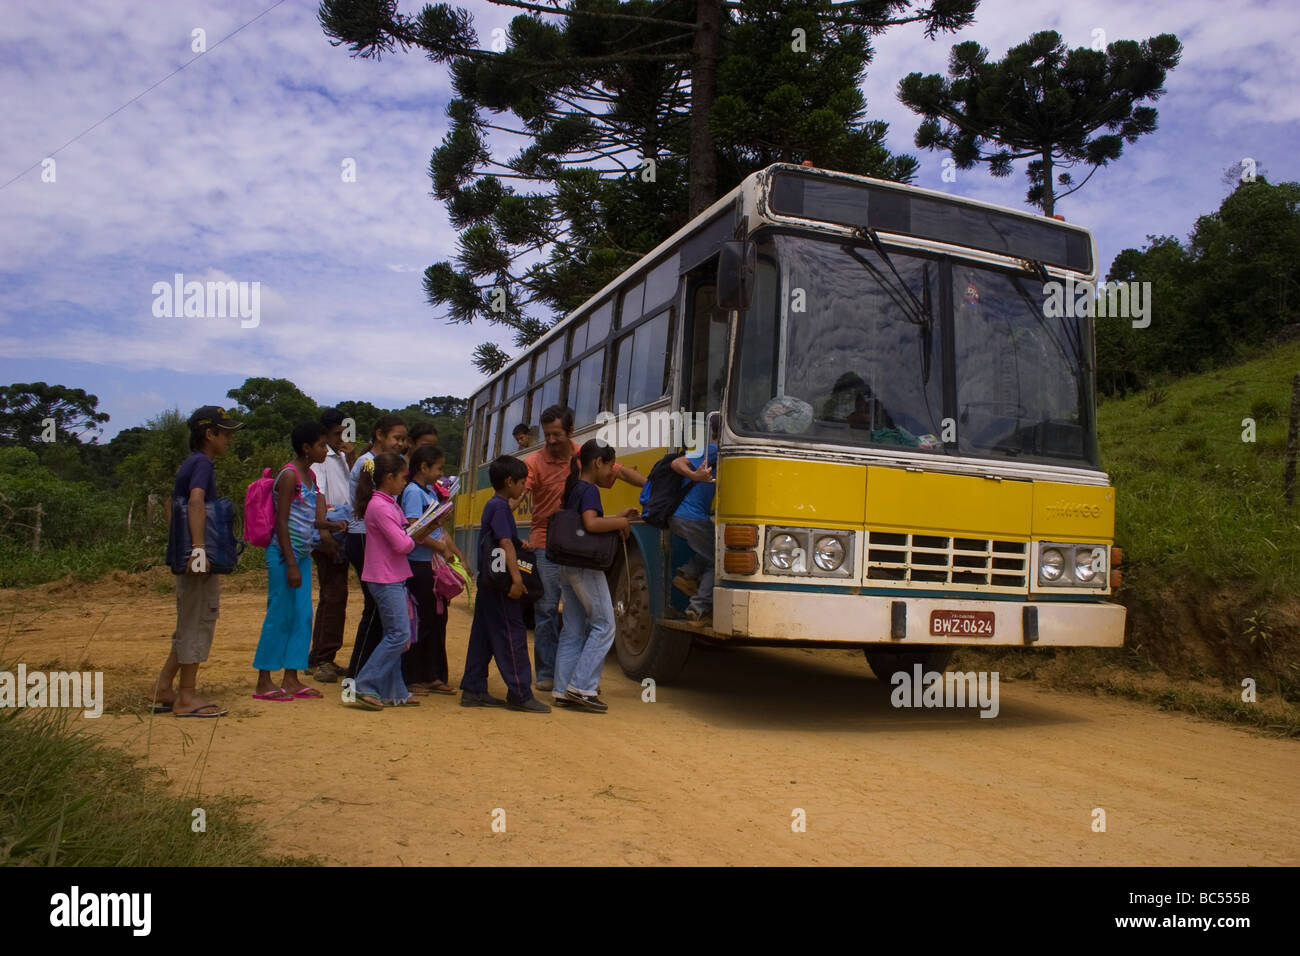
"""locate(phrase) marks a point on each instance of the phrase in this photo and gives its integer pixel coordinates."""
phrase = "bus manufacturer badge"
(961, 623)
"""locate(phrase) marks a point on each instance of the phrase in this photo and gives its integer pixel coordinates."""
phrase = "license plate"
(961, 623)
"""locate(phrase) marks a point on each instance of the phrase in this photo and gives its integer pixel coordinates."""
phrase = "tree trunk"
(704, 90)
(1049, 195)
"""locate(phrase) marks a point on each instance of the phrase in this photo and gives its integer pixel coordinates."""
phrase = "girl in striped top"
(299, 517)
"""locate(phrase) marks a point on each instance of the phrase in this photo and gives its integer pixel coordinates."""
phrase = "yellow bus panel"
(1073, 512)
(929, 501)
(783, 491)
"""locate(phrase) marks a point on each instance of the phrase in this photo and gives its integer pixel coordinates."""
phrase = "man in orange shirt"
(548, 469)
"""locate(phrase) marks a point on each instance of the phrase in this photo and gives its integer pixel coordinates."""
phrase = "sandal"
(278, 694)
(369, 702)
(441, 687)
(307, 693)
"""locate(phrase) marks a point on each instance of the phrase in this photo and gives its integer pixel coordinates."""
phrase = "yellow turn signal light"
(740, 562)
(1116, 577)
(1116, 557)
(740, 536)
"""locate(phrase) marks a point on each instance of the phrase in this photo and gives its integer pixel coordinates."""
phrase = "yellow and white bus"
(907, 456)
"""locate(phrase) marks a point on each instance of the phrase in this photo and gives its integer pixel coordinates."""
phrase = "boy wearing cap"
(198, 591)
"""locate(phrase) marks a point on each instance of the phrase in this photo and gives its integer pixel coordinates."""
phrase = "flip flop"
(162, 706)
(195, 712)
(369, 702)
(442, 689)
(307, 693)
(278, 694)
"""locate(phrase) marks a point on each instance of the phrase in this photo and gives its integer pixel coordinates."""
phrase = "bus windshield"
(848, 344)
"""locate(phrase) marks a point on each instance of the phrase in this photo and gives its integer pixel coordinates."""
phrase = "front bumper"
(784, 615)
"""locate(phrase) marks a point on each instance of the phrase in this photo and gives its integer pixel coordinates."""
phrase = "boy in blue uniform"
(498, 629)
(198, 590)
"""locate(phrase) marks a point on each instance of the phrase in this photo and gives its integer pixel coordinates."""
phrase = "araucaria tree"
(1058, 107)
(629, 118)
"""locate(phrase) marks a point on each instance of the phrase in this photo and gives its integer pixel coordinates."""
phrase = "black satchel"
(568, 542)
(526, 559)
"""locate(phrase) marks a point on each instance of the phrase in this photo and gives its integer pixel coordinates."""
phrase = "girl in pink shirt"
(385, 571)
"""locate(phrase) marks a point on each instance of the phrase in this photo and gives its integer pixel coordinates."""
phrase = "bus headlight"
(828, 553)
(1083, 569)
(811, 551)
(1073, 565)
(1051, 565)
(781, 551)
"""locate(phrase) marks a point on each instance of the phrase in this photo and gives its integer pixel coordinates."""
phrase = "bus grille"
(926, 560)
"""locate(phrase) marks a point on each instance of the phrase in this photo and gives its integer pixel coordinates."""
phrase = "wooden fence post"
(36, 530)
(1288, 481)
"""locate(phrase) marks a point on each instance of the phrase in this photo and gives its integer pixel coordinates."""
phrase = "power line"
(140, 94)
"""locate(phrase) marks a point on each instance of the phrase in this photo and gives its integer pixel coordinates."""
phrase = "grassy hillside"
(1194, 498)
(1212, 552)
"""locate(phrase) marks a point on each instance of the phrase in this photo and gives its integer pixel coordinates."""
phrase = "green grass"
(89, 561)
(1196, 504)
(68, 800)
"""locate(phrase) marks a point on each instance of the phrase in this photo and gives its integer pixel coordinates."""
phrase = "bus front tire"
(644, 648)
(886, 661)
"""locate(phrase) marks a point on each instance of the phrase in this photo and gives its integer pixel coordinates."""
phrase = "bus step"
(677, 624)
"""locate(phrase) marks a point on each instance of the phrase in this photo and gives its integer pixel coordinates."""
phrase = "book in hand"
(432, 515)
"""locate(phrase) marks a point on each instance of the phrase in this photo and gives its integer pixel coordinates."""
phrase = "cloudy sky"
(232, 169)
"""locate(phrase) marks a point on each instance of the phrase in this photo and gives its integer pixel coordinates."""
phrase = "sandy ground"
(712, 772)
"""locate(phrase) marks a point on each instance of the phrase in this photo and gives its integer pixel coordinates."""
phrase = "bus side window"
(705, 360)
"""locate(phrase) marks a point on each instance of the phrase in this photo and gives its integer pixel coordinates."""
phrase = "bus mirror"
(736, 266)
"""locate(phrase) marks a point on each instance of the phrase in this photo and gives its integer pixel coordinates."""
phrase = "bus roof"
(759, 177)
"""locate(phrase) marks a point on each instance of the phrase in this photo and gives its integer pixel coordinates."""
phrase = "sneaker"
(546, 685)
(469, 698)
(327, 673)
(531, 706)
(688, 586)
(592, 703)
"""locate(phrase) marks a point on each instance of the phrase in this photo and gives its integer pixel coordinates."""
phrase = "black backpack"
(666, 491)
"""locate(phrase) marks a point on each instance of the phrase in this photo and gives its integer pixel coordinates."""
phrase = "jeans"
(588, 630)
(370, 629)
(546, 633)
(382, 672)
(286, 630)
(698, 535)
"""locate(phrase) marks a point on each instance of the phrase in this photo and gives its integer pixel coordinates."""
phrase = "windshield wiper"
(922, 309)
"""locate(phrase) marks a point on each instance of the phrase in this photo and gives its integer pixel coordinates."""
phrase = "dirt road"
(712, 772)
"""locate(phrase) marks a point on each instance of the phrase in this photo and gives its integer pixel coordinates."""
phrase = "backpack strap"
(297, 490)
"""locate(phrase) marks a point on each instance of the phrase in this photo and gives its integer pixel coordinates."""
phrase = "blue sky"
(231, 170)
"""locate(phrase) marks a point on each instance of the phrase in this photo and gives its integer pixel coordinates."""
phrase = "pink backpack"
(259, 511)
(259, 507)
